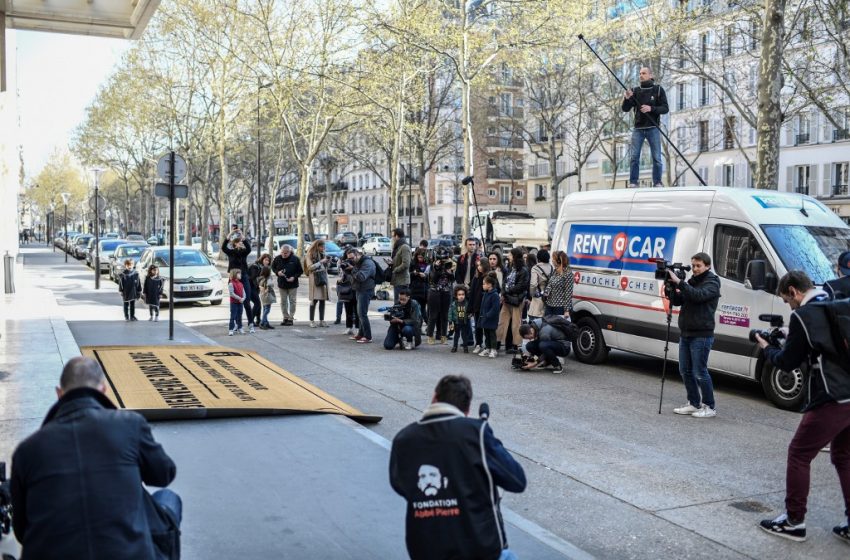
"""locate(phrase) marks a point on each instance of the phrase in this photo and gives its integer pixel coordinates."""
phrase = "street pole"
(65, 197)
(259, 203)
(173, 236)
(96, 231)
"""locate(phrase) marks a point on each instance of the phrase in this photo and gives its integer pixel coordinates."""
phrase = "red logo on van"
(620, 241)
(577, 277)
(624, 283)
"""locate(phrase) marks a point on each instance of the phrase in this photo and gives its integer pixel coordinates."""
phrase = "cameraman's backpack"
(838, 317)
(381, 275)
(564, 325)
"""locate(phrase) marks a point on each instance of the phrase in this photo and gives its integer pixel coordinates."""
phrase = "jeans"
(235, 316)
(693, 367)
(395, 334)
(129, 309)
(264, 320)
(171, 502)
(464, 330)
(339, 306)
(363, 299)
(653, 136)
(827, 423)
(549, 349)
(507, 554)
(287, 303)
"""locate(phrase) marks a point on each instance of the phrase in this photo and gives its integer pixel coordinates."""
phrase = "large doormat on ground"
(181, 382)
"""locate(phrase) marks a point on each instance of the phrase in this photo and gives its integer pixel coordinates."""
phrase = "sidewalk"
(306, 487)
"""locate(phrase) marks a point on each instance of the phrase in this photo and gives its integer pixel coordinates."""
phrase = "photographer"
(77, 482)
(826, 416)
(400, 263)
(839, 288)
(698, 298)
(440, 278)
(547, 341)
(405, 323)
(237, 250)
(449, 469)
(362, 271)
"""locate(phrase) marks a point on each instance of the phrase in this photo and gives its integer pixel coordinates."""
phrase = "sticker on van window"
(620, 248)
(734, 315)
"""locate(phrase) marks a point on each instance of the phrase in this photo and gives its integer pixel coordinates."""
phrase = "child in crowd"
(153, 292)
(237, 297)
(130, 288)
(489, 315)
(267, 295)
(460, 315)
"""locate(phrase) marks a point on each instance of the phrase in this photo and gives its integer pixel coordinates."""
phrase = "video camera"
(518, 362)
(5, 503)
(662, 269)
(394, 312)
(775, 336)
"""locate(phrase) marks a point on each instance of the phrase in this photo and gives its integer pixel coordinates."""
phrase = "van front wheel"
(589, 344)
(787, 390)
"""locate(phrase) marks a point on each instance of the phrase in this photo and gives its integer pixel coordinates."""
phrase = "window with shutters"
(728, 175)
(506, 104)
(680, 96)
(728, 40)
(802, 173)
(804, 129)
(703, 47)
(703, 136)
(703, 91)
(729, 133)
(734, 248)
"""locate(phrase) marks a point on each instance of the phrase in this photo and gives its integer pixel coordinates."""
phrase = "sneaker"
(364, 340)
(825, 448)
(705, 412)
(431, 341)
(269, 326)
(477, 349)
(454, 349)
(313, 324)
(323, 324)
(408, 345)
(781, 527)
(842, 532)
(633, 185)
(150, 318)
(240, 331)
(133, 319)
(355, 337)
(251, 329)
(493, 353)
(156, 319)
(558, 368)
(338, 322)
(229, 333)
(283, 323)
(485, 353)
(511, 350)
(658, 185)
(688, 409)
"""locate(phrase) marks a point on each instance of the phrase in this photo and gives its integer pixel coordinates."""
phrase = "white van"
(753, 238)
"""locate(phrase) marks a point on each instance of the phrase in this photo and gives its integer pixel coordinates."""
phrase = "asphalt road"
(606, 471)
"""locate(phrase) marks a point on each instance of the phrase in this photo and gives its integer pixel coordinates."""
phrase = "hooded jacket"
(77, 482)
(129, 285)
(647, 93)
(449, 467)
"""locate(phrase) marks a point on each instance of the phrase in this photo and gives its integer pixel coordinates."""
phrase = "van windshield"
(812, 249)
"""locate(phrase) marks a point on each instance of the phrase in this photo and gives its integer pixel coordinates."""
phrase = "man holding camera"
(287, 267)
(449, 469)
(405, 322)
(76, 483)
(362, 270)
(698, 298)
(826, 416)
(237, 251)
(546, 340)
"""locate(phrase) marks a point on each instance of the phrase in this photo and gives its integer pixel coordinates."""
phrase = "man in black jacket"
(649, 102)
(826, 417)
(839, 288)
(77, 482)
(467, 263)
(287, 267)
(698, 298)
(449, 468)
(237, 250)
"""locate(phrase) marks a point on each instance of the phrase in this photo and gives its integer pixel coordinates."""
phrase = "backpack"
(381, 275)
(838, 317)
(563, 324)
(544, 293)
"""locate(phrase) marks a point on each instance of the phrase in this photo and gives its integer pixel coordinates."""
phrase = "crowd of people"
(476, 302)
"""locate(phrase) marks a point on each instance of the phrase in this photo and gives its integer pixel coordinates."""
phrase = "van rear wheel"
(787, 390)
(590, 344)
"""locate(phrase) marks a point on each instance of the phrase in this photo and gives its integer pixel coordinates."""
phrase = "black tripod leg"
(664, 367)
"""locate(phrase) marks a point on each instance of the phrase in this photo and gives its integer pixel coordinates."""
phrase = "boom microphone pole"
(649, 115)
(466, 181)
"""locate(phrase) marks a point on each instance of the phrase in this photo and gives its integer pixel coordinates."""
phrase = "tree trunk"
(205, 209)
(554, 185)
(769, 121)
(222, 210)
(301, 214)
(329, 192)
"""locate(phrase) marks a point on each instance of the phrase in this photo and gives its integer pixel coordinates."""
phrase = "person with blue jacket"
(489, 315)
(363, 281)
(449, 468)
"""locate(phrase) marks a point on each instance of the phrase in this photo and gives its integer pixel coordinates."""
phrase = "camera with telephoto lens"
(662, 268)
(518, 362)
(5, 503)
(775, 336)
(394, 312)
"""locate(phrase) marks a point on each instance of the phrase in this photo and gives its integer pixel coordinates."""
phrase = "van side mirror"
(756, 275)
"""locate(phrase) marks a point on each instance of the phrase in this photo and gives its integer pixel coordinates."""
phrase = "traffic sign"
(101, 203)
(164, 189)
(163, 167)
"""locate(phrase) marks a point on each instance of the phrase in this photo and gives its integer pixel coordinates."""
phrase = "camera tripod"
(666, 350)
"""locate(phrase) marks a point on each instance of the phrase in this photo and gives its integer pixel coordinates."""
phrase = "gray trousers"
(287, 303)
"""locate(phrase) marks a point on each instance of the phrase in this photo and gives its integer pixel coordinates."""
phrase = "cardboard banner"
(179, 382)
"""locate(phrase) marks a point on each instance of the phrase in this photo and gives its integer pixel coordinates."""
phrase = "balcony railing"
(542, 169)
(840, 190)
(802, 189)
(512, 112)
(500, 142)
(840, 134)
(802, 139)
(504, 174)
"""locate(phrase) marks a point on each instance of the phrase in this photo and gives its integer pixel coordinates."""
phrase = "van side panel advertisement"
(620, 247)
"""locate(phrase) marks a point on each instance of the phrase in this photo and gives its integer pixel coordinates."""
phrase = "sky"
(58, 77)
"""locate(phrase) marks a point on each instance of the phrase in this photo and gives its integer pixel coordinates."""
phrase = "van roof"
(762, 205)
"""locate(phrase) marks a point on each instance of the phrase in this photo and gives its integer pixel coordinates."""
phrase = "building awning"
(122, 19)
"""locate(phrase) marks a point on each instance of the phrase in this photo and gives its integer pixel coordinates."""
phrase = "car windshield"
(812, 249)
(109, 245)
(382, 239)
(133, 250)
(184, 257)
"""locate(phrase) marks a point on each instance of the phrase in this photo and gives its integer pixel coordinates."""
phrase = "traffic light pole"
(172, 226)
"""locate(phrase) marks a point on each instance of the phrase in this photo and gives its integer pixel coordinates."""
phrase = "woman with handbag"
(316, 265)
(558, 294)
(513, 298)
(540, 274)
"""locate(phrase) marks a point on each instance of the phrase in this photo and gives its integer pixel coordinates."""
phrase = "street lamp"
(97, 172)
(260, 85)
(65, 197)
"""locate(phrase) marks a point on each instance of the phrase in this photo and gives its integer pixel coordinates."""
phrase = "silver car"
(132, 251)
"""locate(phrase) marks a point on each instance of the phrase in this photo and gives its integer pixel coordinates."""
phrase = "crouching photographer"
(550, 338)
(405, 322)
(817, 334)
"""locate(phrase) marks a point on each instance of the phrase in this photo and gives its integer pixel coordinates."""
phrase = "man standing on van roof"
(698, 298)
(839, 288)
(649, 102)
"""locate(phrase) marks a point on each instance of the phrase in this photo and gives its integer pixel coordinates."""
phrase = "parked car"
(280, 240)
(346, 238)
(378, 246)
(135, 237)
(105, 249)
(122, 252)
(78, 248)
(195, 276)
(367, 236)
(111, 235)
(88, 250)
(212, 246)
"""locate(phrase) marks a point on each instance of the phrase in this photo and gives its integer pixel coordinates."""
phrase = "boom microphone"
(466, 180)
(484, 411)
